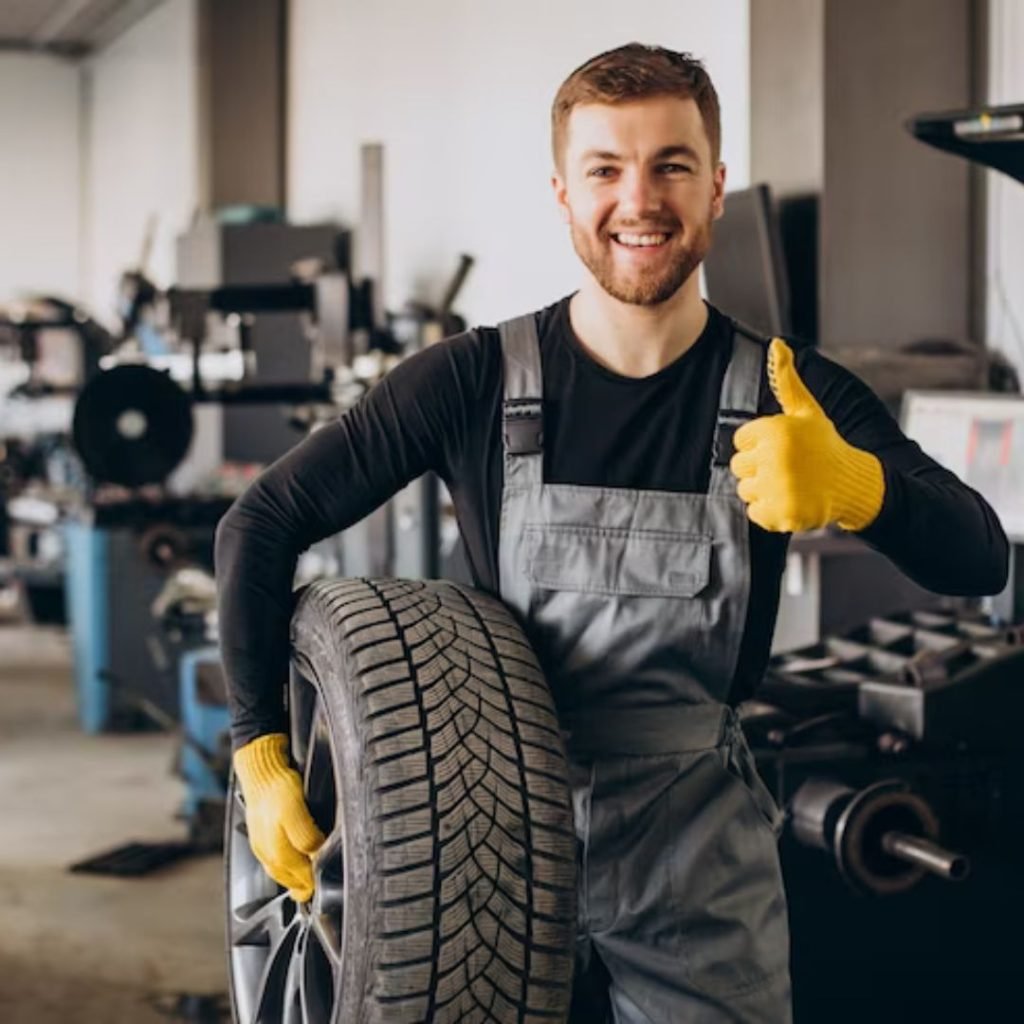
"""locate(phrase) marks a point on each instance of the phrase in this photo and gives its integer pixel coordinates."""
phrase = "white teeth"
(641, 239)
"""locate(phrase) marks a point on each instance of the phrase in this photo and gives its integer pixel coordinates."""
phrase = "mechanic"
(627, 466)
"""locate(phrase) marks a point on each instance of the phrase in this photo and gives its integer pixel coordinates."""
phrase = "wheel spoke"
(326, 935)
(330, 855)
(263, 922)
(271, 985)
(318, 980)
(327, 923)
(239, 824)
(291, 1006)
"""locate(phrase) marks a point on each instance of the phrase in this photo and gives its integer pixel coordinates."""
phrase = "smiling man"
(640, 217)
(627, 465)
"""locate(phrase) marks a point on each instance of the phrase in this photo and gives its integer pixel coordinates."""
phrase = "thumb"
(789, 390)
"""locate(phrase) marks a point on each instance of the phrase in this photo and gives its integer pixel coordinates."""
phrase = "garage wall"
(459, 91)
(39, 176)
(141, 117)
(1004, 294)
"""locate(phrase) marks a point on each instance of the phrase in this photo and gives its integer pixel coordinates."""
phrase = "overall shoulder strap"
(522, 408)
(738, 401)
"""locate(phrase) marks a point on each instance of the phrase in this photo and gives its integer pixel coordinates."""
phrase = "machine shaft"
(914, 850)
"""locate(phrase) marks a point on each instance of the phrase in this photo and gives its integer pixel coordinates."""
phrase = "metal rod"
(455, 286)
(260, 394)
(237, 298)
(370, 248)
(954, 867)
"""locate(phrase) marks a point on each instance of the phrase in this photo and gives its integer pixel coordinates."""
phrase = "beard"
(642, 286)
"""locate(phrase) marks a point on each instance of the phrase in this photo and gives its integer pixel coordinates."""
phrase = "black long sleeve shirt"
(440, 410)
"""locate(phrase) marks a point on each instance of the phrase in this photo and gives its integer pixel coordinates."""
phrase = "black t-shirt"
(440, 410)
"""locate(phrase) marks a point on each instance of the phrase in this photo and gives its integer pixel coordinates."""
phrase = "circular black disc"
(132, 426)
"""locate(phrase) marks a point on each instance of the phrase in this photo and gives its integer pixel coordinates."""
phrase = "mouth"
(641, 242)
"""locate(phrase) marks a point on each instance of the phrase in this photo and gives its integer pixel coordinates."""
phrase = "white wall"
(1005, 258)
(143, 138)
(39, 176)
(459, 91)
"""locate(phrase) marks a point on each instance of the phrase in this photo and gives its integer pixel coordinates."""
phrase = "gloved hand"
(795, 471)
(282, 833)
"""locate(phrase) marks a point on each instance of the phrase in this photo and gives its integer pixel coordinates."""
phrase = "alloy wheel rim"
(285, 957)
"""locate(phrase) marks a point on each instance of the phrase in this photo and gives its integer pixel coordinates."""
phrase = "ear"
(718, 195)
(561, 195)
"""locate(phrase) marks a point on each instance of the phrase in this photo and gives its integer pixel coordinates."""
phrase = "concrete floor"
(84, 948)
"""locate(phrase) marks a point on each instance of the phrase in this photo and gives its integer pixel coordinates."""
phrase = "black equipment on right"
(991, 136)
(882, 837)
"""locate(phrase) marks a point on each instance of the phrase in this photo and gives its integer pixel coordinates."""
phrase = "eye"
(600, 172)
(675, 168)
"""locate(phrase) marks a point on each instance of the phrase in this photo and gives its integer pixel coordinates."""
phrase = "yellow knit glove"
(795, 471)
(282, 833)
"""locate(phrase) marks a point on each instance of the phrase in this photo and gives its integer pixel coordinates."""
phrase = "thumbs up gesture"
(795, 471)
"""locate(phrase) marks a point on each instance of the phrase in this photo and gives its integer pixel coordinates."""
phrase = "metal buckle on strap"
(729, 421)
(523, 426)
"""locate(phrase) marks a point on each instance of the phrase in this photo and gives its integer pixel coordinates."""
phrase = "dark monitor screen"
(744, 272)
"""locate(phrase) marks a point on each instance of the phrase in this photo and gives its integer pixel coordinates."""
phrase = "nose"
(639, 193)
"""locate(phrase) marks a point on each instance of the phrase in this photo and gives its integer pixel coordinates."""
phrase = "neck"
(637, 341)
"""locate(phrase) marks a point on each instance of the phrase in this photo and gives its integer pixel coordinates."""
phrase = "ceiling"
(70, 28)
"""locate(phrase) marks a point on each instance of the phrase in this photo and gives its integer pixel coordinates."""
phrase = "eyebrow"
(679, 149)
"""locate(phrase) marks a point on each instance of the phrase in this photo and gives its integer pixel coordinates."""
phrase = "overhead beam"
(79, 27)
(59, 19)
(69, 51)
(120, 19)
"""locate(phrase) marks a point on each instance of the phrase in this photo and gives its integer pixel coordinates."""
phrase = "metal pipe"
(954, 867)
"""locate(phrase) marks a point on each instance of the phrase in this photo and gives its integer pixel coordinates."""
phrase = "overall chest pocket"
(623, 562)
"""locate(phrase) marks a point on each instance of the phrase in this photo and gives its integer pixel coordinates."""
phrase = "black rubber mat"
(132, 859)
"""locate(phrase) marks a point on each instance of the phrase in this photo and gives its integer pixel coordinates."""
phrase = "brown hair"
(636, 72)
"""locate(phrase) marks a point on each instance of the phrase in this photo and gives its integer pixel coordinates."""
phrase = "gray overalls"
(635, 602)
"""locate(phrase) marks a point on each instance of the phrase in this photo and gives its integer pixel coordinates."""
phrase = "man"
(638, 525)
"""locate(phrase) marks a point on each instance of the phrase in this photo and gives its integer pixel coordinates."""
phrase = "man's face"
(640, 191)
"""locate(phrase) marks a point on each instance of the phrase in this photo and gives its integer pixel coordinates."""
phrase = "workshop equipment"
(884, 737)
(117, 564)
(205, 762)
(253, 286)
(48, 349)
(928, 674)
(893, 749)
(938, 697)
(883, 837)
(58, 341)
(132, 426)
(990, 136)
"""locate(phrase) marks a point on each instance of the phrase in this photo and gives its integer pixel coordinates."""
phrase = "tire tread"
(465, 781)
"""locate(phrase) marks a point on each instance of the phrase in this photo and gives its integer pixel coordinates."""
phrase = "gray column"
(897, 225)
(242, 66)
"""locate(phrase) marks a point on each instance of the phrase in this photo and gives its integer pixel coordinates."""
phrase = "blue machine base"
(205, 722)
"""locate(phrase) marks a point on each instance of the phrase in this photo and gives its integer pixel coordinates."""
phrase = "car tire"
(431, 758)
